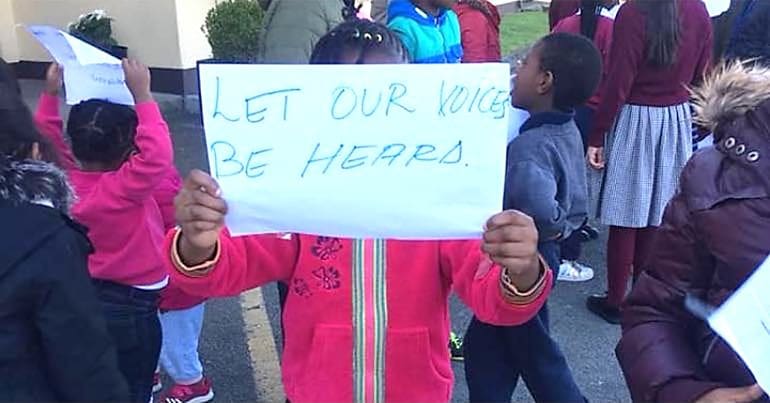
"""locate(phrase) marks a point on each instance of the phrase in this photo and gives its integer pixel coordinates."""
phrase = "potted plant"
(233, 28)
(96, 29)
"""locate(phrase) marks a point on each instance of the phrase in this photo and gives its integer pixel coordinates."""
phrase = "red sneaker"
(200, 392)
(157, 385)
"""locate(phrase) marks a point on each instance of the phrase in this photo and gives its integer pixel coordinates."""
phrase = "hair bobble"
(379, 37)
(368, 36)
(356, 33)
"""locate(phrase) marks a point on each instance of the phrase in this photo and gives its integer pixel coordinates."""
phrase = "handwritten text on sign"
(390, 151)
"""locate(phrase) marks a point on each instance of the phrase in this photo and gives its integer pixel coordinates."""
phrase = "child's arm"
(511, 290)
(48, 118)
(627, 55)
(401, 27)
(164, 195)
(474, 40)
(704, 60)
(238, 264)
(531, 189)
(205, 260)
(141, 174)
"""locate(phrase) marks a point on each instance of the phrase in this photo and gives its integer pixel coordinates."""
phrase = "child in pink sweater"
(118, 157)
(365, 320)
(181, 318)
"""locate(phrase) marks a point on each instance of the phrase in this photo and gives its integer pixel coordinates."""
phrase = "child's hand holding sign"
(510, 238)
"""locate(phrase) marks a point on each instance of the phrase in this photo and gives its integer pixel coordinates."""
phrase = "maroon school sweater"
(633, 80)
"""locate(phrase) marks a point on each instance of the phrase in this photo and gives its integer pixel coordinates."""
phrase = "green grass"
(519, 30)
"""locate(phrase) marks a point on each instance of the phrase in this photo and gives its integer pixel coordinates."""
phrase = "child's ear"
(35, 153)
(546, 83)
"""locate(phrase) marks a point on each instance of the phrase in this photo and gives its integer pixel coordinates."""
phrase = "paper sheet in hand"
(89, 72)
(386, 151)
(743, 321)
(717, 7)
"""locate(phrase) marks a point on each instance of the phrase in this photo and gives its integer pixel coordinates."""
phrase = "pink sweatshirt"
(118, 207)
(368, 313)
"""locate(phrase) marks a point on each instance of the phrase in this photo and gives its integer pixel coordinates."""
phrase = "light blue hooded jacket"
(427, 38)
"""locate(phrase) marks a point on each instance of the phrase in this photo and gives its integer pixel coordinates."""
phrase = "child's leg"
(571, 247)
(644, 240)
(490, 371)
(132, 320)
(620, 257)
(543, 365)
(541, 362)
(179, 356)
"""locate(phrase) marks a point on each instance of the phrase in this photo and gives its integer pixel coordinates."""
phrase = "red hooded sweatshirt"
(480, 32)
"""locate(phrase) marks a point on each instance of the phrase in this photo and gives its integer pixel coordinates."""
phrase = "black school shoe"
(599, 306)
(590, 232)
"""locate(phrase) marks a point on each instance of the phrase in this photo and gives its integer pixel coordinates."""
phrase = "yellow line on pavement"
(264, 355)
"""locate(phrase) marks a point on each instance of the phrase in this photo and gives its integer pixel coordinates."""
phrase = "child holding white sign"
(118, 157)
(365, 320)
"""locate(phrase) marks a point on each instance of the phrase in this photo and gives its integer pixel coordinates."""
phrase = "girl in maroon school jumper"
(642, 134)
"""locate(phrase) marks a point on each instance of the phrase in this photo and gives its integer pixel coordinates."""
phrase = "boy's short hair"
(576, 65)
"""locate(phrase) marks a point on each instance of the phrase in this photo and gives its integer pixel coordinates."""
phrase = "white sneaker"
(574, 272)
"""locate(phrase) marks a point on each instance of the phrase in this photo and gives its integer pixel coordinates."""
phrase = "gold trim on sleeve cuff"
(516, 297)
(192, 271)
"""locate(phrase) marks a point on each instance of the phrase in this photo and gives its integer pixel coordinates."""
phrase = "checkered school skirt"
(645, 153)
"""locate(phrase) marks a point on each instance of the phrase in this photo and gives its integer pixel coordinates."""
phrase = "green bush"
(233, 29)
(94, 27)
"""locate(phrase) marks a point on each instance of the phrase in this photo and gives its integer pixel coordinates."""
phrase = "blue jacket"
(427, 38)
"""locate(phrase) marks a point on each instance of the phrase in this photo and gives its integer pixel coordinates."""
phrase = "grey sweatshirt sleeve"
(531, 189)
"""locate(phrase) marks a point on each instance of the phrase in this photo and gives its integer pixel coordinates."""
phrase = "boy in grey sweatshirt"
(545, 179)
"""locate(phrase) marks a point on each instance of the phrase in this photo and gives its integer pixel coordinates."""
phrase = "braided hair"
(101, 132)
(355, 39)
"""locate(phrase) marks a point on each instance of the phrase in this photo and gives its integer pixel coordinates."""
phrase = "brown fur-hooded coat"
(715, 233)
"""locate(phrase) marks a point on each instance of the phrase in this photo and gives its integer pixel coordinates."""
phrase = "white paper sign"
(717, 7)
(385, 151)
(89, 72)
(517, 119)
(743, 321)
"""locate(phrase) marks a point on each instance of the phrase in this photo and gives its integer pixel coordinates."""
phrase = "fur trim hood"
(35, 182)
(730, 92)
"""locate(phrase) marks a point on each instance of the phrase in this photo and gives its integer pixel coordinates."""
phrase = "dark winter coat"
(750, 36)
(715, 233)
(54, 344)
(293, 27)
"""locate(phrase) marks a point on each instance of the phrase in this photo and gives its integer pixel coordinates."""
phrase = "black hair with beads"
(101, 131)
(355, 39)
